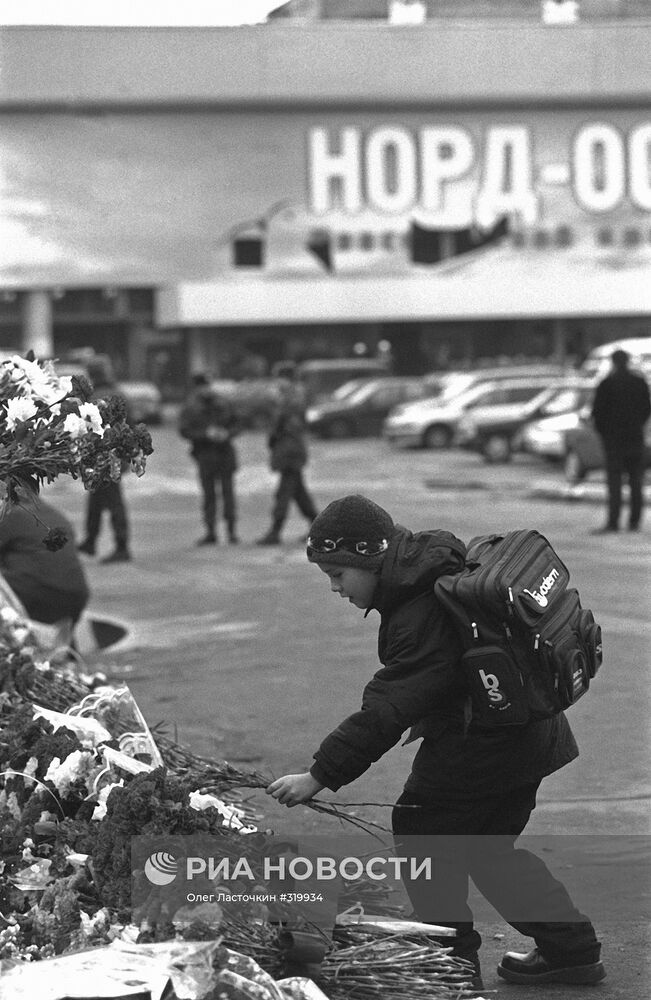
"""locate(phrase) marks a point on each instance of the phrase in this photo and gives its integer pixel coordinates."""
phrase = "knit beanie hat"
(352, 531)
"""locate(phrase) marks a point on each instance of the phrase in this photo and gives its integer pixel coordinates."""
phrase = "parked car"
(362, 410)
(452, 383)
(319, 378)
(432, 422)
(583, 449)
(254, 400)
(597, 363)
(491, 428)
(546, 437)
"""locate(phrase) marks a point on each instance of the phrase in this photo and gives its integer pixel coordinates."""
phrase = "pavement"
(248, 658)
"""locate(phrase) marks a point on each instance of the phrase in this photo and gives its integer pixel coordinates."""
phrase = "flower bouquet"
(50, 427)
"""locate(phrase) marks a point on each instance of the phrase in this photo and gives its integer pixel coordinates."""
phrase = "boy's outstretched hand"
(292, 789)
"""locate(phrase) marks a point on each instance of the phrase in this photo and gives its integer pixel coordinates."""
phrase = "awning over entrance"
(498, 283)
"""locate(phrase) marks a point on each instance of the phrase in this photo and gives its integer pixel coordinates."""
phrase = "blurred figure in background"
(620, 410)
(109, 497)
(51, 584)
(288, 455)
(209, 423)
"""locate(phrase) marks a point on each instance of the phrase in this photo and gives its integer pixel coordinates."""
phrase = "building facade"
(226, 198)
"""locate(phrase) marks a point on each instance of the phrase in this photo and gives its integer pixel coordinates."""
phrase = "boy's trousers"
(475, 839)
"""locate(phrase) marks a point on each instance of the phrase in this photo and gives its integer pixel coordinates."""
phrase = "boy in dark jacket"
(470, 791)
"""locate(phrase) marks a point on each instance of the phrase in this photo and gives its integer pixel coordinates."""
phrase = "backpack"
(530, 649)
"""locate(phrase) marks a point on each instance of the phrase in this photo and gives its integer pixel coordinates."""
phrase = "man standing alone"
(620, 410)
(209, 423)
(288, 455)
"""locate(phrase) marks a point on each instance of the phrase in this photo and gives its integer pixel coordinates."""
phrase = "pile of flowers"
(81, 775)
(50, 427)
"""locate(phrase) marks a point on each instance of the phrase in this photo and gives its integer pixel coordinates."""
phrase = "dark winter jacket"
(51, 585)
(209, 424)
(288, 450)
(621, 408)
(420, 687)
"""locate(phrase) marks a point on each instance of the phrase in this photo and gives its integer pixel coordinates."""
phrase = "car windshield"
(348, 388)
(361, 393)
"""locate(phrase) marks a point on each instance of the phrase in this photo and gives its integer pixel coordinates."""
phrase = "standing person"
(288, 456)
(471, 791)
(108, 497)
(50, 583)
(208, 422)
(620, 410)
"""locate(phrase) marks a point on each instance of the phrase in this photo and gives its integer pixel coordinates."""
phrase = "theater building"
(230, 197)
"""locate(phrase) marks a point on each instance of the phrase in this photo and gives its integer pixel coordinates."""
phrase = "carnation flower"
(90, 413)
(20, 409)
(78, 765)
(75, 426)
(55, 539)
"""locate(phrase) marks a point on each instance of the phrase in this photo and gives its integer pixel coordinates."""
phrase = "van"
(320, 378)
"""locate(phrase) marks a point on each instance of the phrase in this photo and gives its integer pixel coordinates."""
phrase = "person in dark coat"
(208, 422)
(470, 791)
(108, 497)
(620, 410)
(288, 456)
(50, 584)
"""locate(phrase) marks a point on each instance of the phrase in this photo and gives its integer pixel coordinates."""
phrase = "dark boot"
(87, 546)
(271, 538)
(120, 555)
(232, 534)
(210, 538)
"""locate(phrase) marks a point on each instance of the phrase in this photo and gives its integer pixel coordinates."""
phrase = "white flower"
(90, 413)
(74, 426)
(77, 765)
(10, 616)
(99, 811)
(19, 408)
(201, 801)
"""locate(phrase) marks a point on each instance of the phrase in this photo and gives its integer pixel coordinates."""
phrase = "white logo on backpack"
(546, 584)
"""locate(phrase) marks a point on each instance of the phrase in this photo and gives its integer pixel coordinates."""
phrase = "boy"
(470, 791)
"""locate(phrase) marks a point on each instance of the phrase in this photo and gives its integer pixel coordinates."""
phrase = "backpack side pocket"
(590, 637)
(496, 687)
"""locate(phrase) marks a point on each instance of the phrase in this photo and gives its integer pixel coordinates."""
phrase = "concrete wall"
(326, 64)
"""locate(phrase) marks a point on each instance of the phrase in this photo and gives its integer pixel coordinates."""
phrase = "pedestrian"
(209, 423)
(470, 791)
(49, 582)
(288, 456)
(108, 497)
(620, 410)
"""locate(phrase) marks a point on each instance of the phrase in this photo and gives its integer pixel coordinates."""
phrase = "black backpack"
(530, 649)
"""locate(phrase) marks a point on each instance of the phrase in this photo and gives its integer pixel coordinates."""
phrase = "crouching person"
(470, 791)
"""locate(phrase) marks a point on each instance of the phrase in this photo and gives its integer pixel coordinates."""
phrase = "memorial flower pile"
(50, 427)
(77, 784)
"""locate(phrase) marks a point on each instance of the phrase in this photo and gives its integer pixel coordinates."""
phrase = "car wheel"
(497, 448)
(339, 429)
(437, 436)
(573, 467)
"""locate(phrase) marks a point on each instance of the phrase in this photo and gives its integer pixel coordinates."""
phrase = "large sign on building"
(148, 198)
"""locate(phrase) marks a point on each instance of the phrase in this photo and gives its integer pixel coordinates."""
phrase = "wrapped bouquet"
(50, 427)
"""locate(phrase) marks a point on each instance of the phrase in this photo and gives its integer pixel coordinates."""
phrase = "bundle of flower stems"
(223, 779)
(365, 965)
